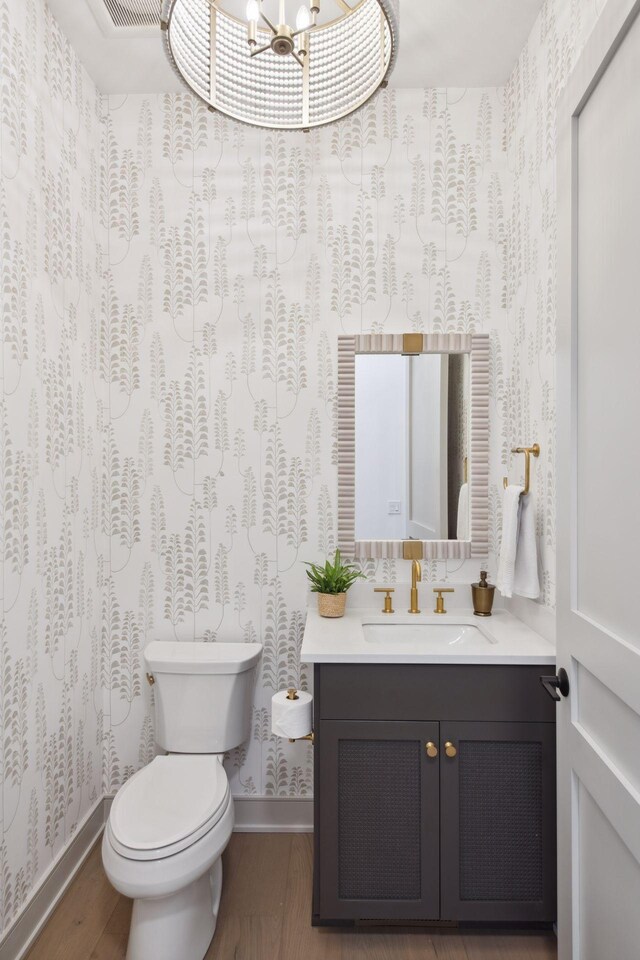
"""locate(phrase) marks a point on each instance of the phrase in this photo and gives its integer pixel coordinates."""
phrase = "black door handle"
(557, 683)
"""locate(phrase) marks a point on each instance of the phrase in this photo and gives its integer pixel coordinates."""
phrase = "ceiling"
(461, 43)
(443, 43)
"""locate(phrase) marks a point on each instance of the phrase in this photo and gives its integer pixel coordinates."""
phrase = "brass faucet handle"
(440, 601)
(388, 606)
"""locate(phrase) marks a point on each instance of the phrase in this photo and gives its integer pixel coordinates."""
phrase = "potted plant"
(331, 583)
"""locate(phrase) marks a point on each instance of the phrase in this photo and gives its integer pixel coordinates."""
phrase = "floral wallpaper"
(173, 285)
(51, 739)
(526, 396)
(236, 258)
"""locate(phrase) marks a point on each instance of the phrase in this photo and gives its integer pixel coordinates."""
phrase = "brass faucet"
(416, 577)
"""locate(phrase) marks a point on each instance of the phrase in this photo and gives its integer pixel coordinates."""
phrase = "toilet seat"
(168, 805)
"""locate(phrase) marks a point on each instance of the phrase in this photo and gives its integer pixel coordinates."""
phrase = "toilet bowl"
(162, 846)
(170, 822)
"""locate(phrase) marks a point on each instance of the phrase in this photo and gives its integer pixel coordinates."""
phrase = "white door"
(598, 616)
(427, 517)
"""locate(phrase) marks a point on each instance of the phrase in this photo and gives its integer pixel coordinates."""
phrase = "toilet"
(170, 822)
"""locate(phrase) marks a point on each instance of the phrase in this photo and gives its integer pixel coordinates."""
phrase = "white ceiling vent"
(134, 13)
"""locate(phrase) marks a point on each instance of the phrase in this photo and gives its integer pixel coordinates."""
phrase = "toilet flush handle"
(151, 679)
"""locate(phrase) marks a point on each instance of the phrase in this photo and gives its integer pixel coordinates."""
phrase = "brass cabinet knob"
(449, 749)
(432, 750)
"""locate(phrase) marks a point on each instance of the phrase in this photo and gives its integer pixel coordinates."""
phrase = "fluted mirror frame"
(477, 346)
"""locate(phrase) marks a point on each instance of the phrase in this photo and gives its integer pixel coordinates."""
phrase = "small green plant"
(334, 577)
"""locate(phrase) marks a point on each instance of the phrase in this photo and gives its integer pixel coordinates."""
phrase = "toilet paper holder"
(292, 694)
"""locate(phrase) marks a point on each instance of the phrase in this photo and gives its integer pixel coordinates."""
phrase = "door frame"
(574, 751)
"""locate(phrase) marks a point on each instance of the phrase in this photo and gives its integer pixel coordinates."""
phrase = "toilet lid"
(167, 803)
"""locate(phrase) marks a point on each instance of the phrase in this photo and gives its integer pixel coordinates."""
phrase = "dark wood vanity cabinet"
(435, 794)
(378, 820)
(497, 822)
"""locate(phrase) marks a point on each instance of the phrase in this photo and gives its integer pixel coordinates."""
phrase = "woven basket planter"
(331, 604)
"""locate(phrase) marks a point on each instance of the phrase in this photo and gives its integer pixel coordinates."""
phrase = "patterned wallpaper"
(172, 289)
(525, 389)
(50, 683)
(236, 258)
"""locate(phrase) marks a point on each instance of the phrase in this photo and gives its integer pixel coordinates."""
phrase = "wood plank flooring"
(264, 915)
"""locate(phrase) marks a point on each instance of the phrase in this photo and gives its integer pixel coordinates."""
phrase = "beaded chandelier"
(262, 71)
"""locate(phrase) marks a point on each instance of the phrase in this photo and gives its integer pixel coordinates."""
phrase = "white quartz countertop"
(498, 639)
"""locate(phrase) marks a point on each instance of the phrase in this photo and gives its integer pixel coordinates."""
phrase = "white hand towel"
(508, 550)
(525, 580)
(463, 513)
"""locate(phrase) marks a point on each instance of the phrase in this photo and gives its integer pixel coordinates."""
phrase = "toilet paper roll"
(291, 718)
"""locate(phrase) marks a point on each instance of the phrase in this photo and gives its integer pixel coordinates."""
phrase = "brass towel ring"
(528, 453)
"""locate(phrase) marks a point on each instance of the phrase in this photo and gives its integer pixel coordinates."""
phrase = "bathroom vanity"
(434, 770)
(434, 738)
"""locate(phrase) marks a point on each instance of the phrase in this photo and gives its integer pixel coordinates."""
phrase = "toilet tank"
(203, 693)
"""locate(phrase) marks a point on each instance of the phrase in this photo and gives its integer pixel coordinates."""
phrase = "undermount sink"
(428, 636)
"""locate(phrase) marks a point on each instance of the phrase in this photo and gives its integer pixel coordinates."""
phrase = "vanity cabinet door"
(378, 842)
(498, 821)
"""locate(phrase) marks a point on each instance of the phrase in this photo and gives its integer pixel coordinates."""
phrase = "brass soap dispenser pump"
(482, 594)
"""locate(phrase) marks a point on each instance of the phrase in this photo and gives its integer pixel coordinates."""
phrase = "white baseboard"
(252, 815)
(273, 815)
(43, 900)
(264, 815)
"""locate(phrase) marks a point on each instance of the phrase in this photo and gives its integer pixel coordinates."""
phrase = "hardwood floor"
(264, 915)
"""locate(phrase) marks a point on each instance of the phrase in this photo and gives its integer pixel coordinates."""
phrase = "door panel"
(605, 860)
(498, 821)
(379, 839)
(611, 726)
(598, 517)
(608, 345)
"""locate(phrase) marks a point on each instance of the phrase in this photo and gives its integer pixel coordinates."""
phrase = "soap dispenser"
(482, 594)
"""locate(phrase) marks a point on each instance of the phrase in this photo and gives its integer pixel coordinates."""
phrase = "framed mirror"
(413, 446)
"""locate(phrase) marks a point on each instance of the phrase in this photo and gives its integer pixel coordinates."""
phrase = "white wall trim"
(44, 898)
(273, 815)
(263, 815)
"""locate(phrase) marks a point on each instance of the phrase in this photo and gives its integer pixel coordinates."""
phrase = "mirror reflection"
(412, 417)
